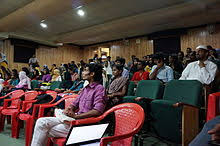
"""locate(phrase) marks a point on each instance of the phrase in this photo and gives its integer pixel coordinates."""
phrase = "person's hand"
(215, 132)
(138, 98)
(201, 64)
(69, 112)
(110, 95)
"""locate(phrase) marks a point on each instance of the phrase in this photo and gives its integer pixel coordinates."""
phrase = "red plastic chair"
(7, 111)
(13, 95)
(129, 118)
(213, 109)
(42, 107)
(18, 117)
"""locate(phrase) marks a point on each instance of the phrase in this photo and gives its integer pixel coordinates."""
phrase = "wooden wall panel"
(200, 36)
(45, 55)
(123, 49)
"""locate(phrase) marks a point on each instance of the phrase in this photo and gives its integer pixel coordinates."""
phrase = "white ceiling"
(104, 20)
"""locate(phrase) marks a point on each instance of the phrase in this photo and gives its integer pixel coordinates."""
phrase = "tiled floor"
(6, 140)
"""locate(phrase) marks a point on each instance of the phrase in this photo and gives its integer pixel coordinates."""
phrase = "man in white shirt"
(201, 70)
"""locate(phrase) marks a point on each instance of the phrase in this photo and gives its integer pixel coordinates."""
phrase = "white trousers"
(48, 127)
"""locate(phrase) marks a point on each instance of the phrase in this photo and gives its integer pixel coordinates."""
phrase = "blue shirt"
(165, 73)
(125, 73)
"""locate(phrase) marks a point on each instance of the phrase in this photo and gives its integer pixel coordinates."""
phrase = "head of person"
(46, 71)
(34, 56)
(140, 65)
(72, 62)
(135, 61)
(212, 51)
(106, 64)
(66, 67)
(192, 56)
(151, 60)
(26, 70)
(54, 65)
(56, 72)
(120, 61)
(109, 58)
(14, 74)
(188, 51)
(202, 52)
(158, 58)
(22, 75)
(92, 72)
(132, 57)
(117, 70)
(180, 55)
(172, 58)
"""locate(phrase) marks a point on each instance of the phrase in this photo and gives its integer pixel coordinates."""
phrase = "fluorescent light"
(43, 25)
(80, 12)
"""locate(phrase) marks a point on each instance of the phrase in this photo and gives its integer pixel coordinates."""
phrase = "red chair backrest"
(53, 94)
(213, 109)
(30, 95)
(129, 117)
(69, 100)
(15, 94)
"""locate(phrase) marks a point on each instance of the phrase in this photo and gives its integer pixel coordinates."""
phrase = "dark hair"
(142, 62)
(118, 67)
(97, 69)
(158, 56)
(54, 65)
(209, 47)
(15, 73)
(47, 71)
(25, 69)
(121, 60)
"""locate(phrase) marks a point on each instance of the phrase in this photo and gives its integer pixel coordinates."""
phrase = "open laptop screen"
(80, 135)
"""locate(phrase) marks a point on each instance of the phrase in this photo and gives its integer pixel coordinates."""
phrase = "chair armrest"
(147, 99)
(6, 101)
(43, 106)
(2, 97)
(86, 121)
(179, 104)
(24, 104)
(106, 140)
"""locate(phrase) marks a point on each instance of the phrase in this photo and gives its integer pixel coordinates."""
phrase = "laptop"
(86, 135)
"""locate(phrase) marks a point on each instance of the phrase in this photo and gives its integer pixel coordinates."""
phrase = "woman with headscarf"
(56, 76)
(25, 82)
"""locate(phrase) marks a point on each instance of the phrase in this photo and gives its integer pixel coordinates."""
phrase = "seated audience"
(90, 103)
(141, 74)
(161, 71)
(107, 73)
(24, 83)
(118, 86)
(150, 64)
(176, 66)
(133, 67)
(14, 78)
(46, 77)
(121, 61)
(56, 76)
(202, 70)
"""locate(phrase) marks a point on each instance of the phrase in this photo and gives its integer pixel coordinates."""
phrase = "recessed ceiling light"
(43, 25)
(80, 12)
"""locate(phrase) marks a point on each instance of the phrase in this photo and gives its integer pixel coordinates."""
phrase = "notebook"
(88, 135)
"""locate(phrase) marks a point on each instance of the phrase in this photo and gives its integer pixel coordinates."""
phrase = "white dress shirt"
(194, 72)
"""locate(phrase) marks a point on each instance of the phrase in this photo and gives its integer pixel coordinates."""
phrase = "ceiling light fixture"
(80, 12)
(42, 24)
